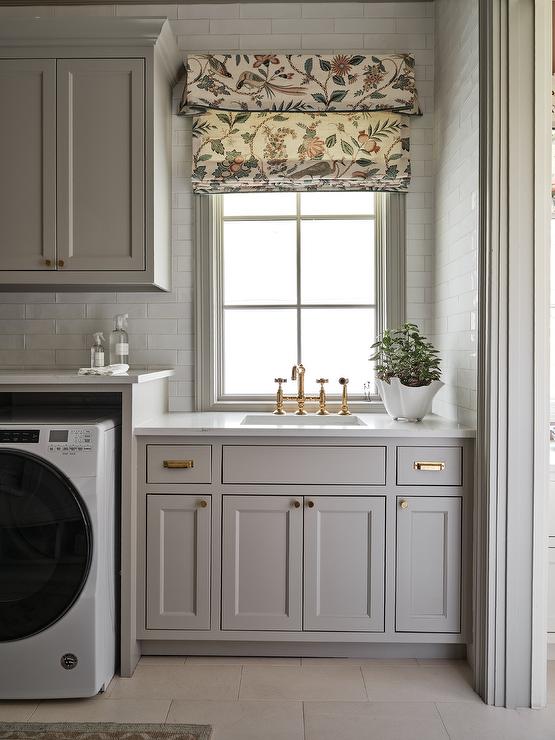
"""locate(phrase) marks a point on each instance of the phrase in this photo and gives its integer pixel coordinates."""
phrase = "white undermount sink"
(310, 420)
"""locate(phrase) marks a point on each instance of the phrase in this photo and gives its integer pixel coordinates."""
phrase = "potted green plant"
(407, 371)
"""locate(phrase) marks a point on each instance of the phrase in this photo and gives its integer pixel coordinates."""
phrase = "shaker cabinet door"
(178, 562)
(344, 563)
(27, 164)
(262, 563)
(101, 164)
(429, 539)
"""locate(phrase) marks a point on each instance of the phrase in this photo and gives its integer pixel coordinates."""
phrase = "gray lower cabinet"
(344, 563)
(428, 568)
(262, 563)
(178, 562)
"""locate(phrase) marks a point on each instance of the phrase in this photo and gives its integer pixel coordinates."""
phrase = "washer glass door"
(45, 544)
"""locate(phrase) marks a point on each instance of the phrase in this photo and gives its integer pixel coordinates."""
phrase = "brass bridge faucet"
(297, 373)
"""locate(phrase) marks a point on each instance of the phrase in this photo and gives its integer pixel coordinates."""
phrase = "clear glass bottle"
(97, 350)
(119, 341)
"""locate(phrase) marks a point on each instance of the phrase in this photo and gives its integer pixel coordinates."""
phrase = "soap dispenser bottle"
(97, 350)
(119, 341)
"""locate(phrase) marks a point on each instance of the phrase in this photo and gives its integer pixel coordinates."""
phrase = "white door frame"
(512, 445)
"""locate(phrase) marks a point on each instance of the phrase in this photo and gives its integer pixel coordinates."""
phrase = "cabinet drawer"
(429, 466)
(359, 466)
(179, 464)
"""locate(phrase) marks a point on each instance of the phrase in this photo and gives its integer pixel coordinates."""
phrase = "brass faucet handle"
(322, 380)
(343, 381)
(280, 380)
(344, 411)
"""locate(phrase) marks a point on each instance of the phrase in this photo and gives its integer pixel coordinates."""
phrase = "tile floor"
(302, 699)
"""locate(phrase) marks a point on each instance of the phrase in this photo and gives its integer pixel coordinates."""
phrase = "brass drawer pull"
(430, 466)
(310, 504)
(404, 504)
(178, 464)
(203, 504)
(297, 504)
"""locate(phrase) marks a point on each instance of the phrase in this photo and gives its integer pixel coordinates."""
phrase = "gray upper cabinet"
(344, 563)
(101, 164)
(28, 164)
(85, 182)
(429, 541)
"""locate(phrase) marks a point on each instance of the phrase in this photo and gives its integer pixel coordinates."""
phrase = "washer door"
(45, 544)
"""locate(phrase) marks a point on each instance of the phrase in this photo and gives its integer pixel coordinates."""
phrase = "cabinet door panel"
(178, 562)
(551, 590)
(101, 164)
(344, 563)
(261, 563)
(429, 564)
(28, 163)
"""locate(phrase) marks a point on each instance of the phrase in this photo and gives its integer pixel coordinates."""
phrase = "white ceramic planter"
(406, 403)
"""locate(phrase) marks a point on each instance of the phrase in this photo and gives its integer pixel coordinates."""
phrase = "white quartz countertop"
(53, 376)
(224, 424)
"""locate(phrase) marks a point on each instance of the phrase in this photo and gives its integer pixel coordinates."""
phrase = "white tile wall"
(455, 282)
(54, 328)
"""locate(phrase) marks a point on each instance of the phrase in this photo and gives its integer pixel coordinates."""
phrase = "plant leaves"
(308, 66)
(337, 96)
(331, 141)
(217, 146)
(347, 148)
(319, 98)
(325, 66)
(338, 80)
(356, 59)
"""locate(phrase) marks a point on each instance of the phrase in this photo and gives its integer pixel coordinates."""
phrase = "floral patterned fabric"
(291, 151)
(300, 82)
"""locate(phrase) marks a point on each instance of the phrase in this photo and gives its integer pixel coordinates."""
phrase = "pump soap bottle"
(119, 341)
(97, 350)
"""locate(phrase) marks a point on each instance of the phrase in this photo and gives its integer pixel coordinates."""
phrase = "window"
(293, 277)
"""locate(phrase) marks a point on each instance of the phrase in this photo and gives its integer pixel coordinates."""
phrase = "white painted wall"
(53, 329)
(454, 286)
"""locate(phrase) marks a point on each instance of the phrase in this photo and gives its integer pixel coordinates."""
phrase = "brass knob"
(203, 504)
(48, 263)
(322, 380)
(297, 504)
(404, 504)
(310, 504)
(61, 263)
(280, 380)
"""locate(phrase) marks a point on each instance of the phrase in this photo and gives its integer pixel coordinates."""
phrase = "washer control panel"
(19, 436)
(70, 441)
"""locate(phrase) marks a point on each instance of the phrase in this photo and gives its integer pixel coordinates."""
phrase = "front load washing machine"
(58, 521)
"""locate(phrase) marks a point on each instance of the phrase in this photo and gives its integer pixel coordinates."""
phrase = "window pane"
(260, 204)
(337, 262)
(335, 343)
(259, 345)
(260, 263)
(337, 204)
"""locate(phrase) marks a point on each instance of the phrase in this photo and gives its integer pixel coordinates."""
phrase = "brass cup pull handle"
(48, 263)
(61, 263)
(297, 504)
(404, 504)
(310, 504)
(203, 504)
(178, 464)
(429, 466)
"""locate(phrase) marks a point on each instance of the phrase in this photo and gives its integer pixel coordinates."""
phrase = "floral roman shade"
(303, 83)
(271, 122)
(260, 152)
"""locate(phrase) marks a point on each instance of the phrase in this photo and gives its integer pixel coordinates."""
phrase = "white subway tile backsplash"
(270, 10)
(208, 10)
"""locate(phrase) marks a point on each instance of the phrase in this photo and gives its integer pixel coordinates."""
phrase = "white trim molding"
(512, 444)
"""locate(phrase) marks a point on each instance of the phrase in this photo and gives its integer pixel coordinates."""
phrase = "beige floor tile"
(100, 709)
(17, 711)
(420, 683)
(373, 721)
(233, 660)
(179, 682)
(162, 660)
(465, 721)
(243, 720)
(323, 662)
(263, 683)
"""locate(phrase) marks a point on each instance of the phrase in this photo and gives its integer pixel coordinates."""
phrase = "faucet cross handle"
(322, 380)
(279, 396)
(280, 380)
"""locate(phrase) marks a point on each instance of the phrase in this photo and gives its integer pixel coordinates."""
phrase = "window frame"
(390, 298)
